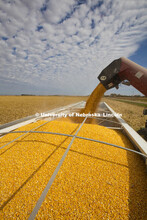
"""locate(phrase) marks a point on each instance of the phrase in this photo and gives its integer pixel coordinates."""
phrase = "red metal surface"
(136, 74)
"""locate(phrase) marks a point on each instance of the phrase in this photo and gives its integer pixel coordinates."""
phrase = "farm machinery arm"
(124, 69)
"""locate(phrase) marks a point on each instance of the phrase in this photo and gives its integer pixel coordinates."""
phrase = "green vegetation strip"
(133, 103)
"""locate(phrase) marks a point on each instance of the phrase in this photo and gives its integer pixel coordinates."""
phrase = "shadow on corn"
(137, 183)
(15, 143)
(39, 167)
(137, 198)
(98, 158)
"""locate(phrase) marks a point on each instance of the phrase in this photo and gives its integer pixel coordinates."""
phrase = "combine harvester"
(52, 168)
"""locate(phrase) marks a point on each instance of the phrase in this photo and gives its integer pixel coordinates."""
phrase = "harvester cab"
(124, 71)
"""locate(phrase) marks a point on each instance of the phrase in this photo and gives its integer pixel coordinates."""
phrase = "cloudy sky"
(61, 46)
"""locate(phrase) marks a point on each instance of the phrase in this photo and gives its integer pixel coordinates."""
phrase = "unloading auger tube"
(124, 69)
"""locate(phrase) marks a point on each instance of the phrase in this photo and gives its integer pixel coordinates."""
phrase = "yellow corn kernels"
(96, 181)
(92, 103)
(94, 99)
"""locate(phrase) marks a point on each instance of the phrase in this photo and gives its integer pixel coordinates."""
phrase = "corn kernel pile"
(95, 181)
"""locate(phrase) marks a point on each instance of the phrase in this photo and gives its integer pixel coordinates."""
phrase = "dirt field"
(15, 107)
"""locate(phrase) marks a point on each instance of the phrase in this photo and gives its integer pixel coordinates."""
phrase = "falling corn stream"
(92, 102)
(94, 99)
(96, 181)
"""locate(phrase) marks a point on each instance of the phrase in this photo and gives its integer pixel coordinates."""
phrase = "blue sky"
(59, 47)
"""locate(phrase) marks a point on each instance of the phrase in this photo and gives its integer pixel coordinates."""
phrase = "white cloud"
(58, 10)
(61, 46)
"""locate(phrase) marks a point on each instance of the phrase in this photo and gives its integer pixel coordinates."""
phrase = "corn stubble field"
(132, 114)
(16, 107)
(95, 181)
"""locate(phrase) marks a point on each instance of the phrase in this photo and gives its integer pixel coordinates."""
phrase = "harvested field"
(96, 181)
(16, 107)
(132, 114)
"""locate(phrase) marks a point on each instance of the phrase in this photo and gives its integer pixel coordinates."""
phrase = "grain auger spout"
(124, 71)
